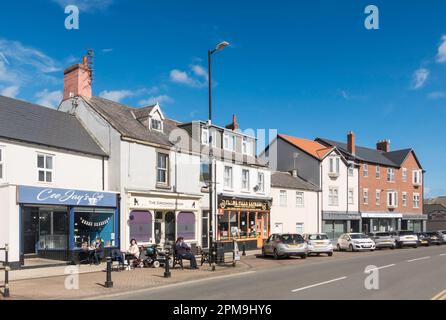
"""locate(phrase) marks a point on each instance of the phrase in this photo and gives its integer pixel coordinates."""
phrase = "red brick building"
(391, 187)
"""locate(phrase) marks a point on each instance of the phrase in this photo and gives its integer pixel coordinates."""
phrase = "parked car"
(318, 243)
(435, 238)
(383, 240)
(355, 242)
(423, 239)
(443, 233)
(285, 245)
(406, 239)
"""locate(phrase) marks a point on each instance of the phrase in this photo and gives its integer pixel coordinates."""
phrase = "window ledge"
(163, 186)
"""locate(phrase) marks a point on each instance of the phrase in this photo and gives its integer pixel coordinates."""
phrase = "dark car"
(435, 238)
(424, 239)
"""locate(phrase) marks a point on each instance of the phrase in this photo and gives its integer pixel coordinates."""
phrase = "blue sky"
(306, 68)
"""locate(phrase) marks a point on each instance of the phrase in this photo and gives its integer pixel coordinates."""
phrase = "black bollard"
(6, 293)
(109, 282)
(167, 273)
(244, 249)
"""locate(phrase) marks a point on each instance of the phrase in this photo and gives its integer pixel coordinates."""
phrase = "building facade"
(296, 206)
(53, 185)
(391, 187)
(327, 169)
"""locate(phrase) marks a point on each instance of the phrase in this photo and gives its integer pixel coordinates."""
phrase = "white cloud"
(86, 5)
(197, 79)
(120, 95)
(49, 98)
(117, 95)
(161, 99)
(420, 77)
(10, 92)
(441, 55)
(436, 95)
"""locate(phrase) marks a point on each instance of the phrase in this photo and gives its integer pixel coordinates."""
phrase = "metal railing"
(6, 268)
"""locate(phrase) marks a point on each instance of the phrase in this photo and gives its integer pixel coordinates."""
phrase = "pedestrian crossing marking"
(440, 296)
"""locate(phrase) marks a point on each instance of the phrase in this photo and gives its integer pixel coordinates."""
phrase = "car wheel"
(415, 247)
(330, 254)
(276, 256)
(350, 248)
(304, 256)
(392, 247)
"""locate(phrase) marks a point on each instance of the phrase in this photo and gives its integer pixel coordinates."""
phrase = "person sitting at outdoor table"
(98, 251)
(183, 250)
(133, 252)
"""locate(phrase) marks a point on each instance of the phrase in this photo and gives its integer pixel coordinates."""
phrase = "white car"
(443, 232)
(318, 243)
(355, 242)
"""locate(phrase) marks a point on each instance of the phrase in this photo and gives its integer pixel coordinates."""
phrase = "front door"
(170, 226)
(158, 227)
(30, 218)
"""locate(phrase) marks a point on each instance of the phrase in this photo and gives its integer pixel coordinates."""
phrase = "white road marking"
(318, 284)
(384, 267)
(418, 259)
(443, 254)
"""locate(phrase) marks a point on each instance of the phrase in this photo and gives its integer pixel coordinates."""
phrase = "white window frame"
(229, 142)
(245, 180)
(365, 196)
(204, 136)
(261, 182)
(404, 175)
(351, 196)
(228, 181)
(283, 198)
(390, 175)
(333, 196)
(166, 169)
(378, 172)
(416, 201)
(366, 170)
(300, 199)
(416, 177)
(394, 198)
(156, 129)
(351, 170)
(2, 164)
(404, 199)
(378, 197)
(335, 165)
(44, 169)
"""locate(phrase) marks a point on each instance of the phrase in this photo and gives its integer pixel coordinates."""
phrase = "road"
(402, 274)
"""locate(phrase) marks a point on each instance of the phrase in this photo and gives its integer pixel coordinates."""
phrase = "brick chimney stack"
(351, 142)
(77, 80)
(234, 125)
(383, 145)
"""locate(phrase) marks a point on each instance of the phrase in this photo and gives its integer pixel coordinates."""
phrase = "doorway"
(30, 218)
(165, 227)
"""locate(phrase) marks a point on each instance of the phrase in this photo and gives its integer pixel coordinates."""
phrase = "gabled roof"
(31, 123)
(391, 159)
(313, 148)
(122, 118)
(288, 181)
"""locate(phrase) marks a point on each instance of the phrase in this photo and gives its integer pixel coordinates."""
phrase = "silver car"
(285, 245)
(383, 240)
(318, 243)
(406, 239)
(355, 242)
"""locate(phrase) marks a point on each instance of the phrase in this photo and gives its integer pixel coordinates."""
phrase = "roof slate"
(31, 123)
(286, 180)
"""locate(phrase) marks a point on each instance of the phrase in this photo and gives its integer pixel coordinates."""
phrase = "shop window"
(186, 225)
(91, 224)
(140, 223)
(45, 168)
(223, 224)
(244, 231)
(53, 230)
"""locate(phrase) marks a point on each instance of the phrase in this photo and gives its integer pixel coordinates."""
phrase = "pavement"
(395, 274)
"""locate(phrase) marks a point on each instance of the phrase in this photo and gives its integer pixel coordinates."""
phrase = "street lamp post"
(212, 247)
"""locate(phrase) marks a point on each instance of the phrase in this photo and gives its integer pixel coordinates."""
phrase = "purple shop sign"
(67, 197)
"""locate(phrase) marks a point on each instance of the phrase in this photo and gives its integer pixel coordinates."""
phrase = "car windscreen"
(317, 237)
(406, 233)
(292, 238)
(383, 234)
(358, 236)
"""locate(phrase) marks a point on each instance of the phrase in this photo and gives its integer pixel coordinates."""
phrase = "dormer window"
(247, 146)
(229, 142)
(156, 125)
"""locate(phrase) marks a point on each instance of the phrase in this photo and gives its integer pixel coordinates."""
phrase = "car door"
(341, 241)
(268, 244)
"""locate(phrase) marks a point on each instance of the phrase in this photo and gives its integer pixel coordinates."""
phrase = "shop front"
(161, 218)
(334, 224)
(415, 222)
(54, 223)
(380, 222)
(245, 220)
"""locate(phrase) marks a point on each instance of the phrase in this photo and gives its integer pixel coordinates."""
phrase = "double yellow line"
(440, 296)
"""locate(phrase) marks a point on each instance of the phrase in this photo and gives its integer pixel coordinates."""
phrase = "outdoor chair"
(177, 260)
